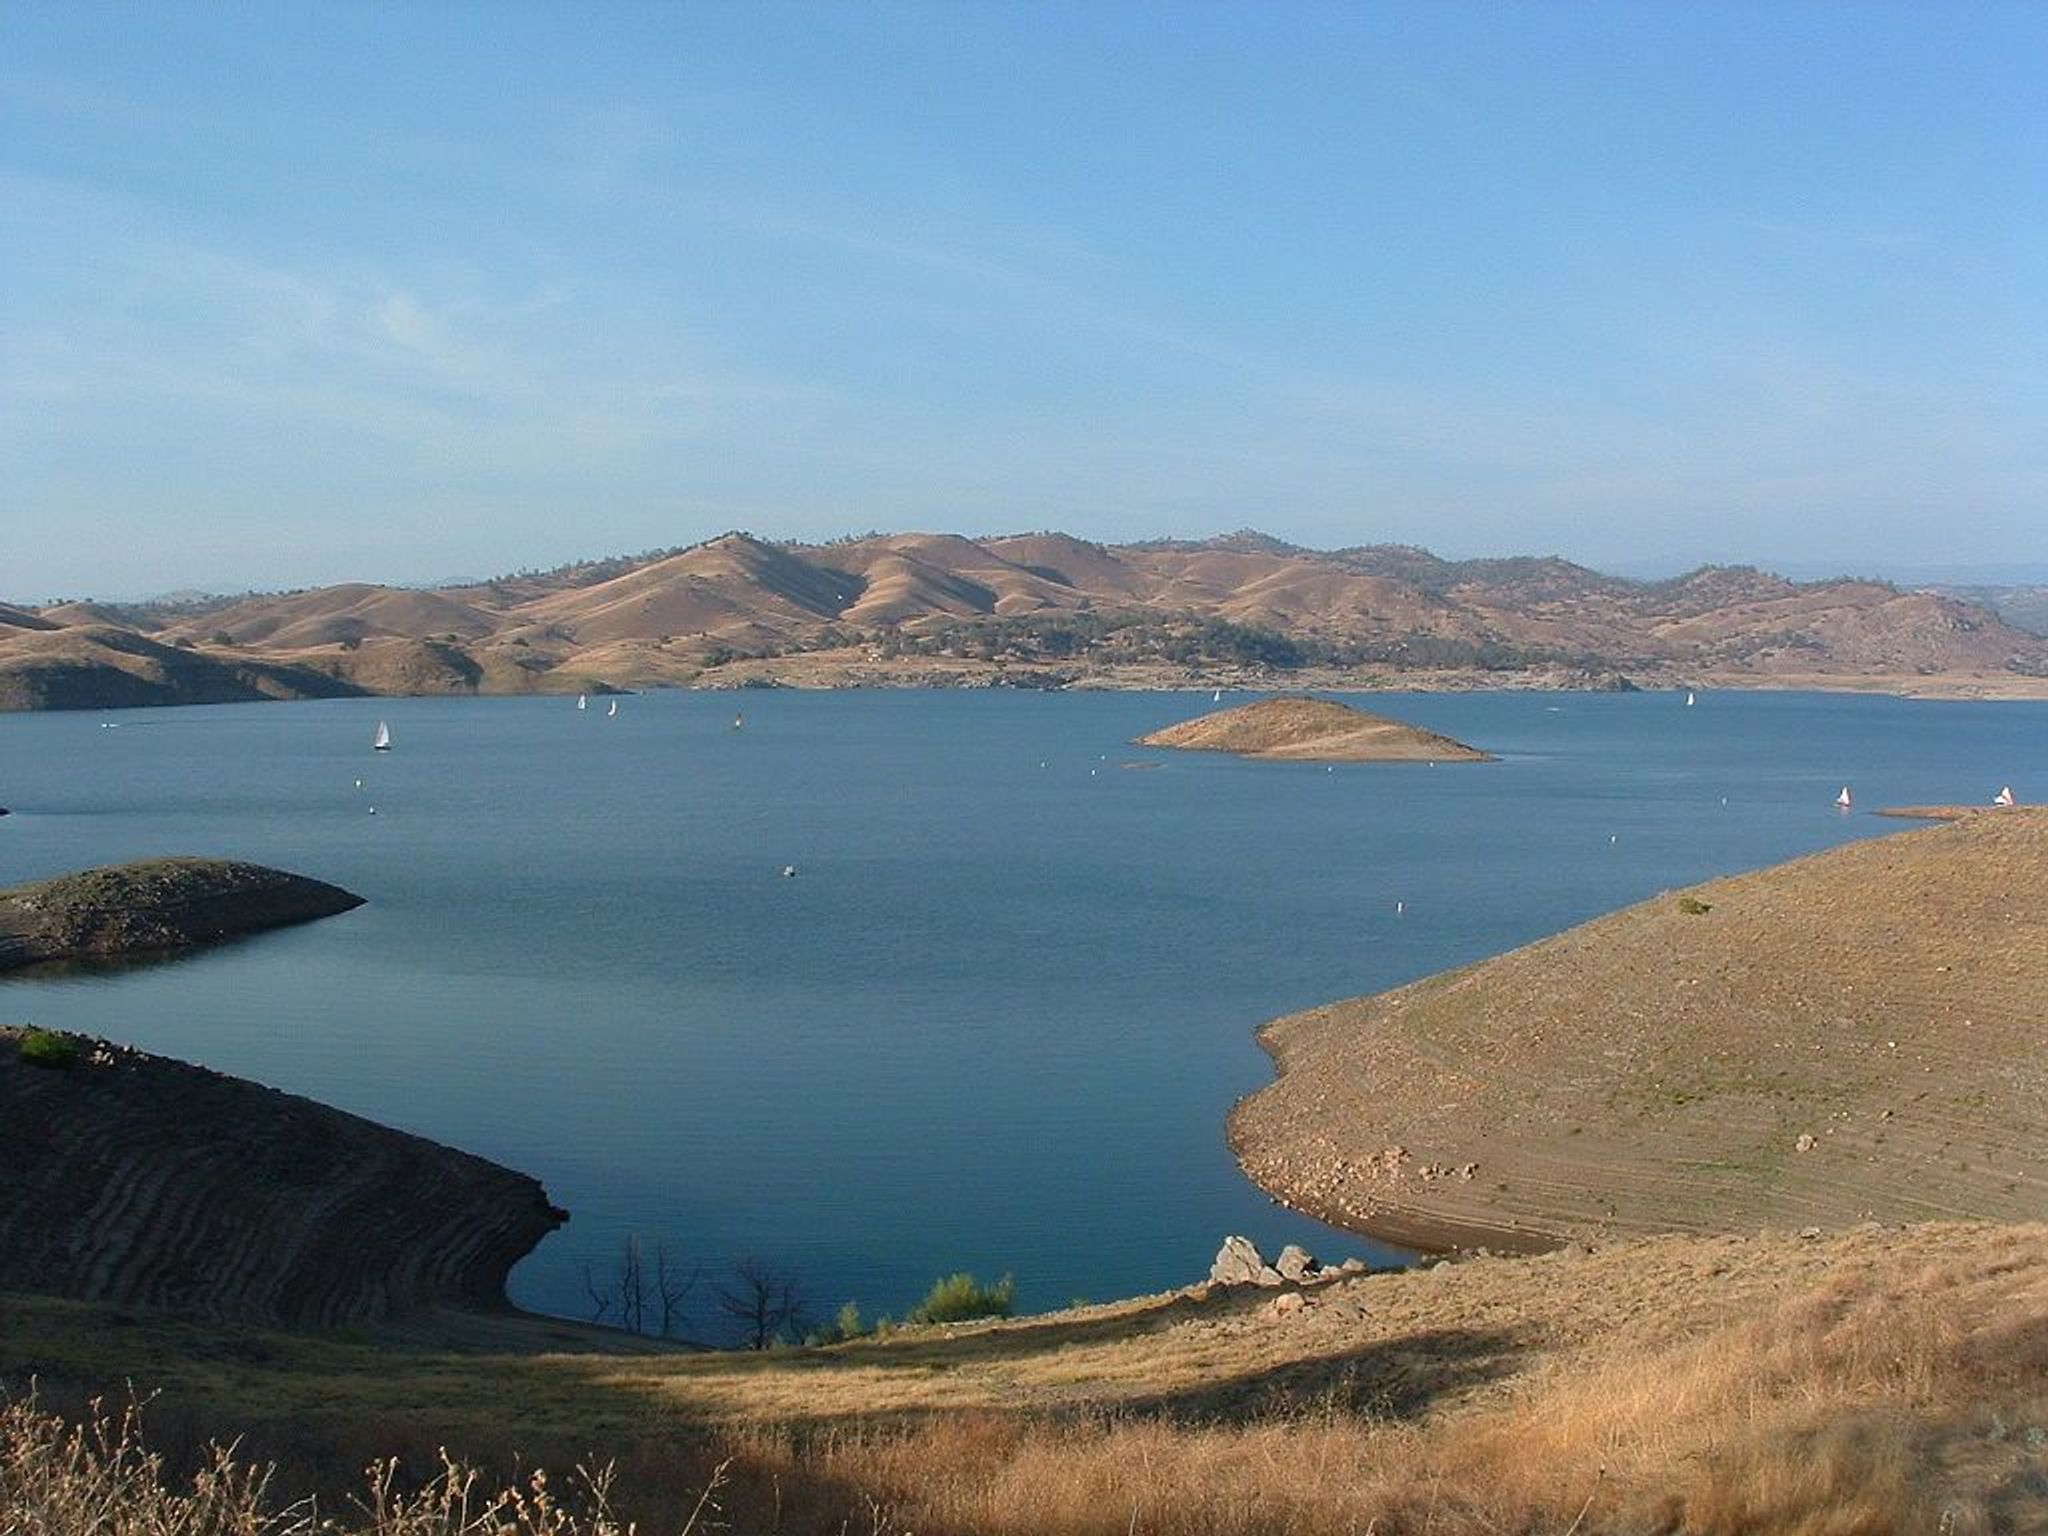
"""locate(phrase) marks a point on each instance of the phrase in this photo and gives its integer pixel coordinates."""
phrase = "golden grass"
(1878, 1382)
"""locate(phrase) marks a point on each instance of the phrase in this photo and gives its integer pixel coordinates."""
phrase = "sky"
(298, 294)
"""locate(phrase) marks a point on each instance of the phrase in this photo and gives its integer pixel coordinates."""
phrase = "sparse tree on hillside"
(764, 1302)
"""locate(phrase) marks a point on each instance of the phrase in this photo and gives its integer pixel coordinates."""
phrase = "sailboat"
(2004, 797)
(739, 722)
(1216, 697)
(382, 741)
(613, 710)
(583, 701)
(1689, 701)
(1843, 800)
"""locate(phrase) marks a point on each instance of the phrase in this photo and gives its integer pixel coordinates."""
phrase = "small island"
(1308, 730)
(155, 904)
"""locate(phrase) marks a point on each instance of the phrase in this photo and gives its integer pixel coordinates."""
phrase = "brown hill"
(1858, 1034)
(328, 616)
(1165, 613)
(134, 1179)
(100, 667)
(129, 909)
(1311, 730)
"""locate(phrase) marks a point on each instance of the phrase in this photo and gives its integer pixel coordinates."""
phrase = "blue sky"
(398, 292)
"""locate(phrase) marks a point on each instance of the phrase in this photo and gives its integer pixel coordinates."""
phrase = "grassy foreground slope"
(1860, 1033)
(1874, 1381)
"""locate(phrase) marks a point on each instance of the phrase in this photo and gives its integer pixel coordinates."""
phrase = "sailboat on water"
(1843, 801)
(2004, 797)
(613, 710)
(1689, 699)
(583, 701)
(381, 742)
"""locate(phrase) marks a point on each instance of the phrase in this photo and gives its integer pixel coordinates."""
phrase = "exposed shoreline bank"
(1729, 1057)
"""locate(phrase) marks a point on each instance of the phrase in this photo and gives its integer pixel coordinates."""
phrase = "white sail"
(583, 701)
(382, 742)
(613, 710)
(2004, 797)
(1843, 799)
(1688, 699)
(1216, 697)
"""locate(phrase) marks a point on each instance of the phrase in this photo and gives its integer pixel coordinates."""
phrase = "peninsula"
(139, 1180)
(156, 904)
(1306, 730)
(1854, 1035)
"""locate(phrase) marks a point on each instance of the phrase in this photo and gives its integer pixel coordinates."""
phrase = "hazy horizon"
(365, 293)
(2011, 574)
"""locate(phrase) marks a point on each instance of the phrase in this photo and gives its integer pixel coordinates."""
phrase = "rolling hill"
(1048, 608)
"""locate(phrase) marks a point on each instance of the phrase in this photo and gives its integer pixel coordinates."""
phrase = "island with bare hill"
(1310, 730)
(133, 909)
(1859, 1034)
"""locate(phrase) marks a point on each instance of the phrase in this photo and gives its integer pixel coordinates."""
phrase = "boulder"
(1296, 1264)
(1238, 1262)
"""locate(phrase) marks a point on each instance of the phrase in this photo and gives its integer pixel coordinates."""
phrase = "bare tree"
(632, 1288)
(672, 1287)
(763, 1301)
(601, 1296)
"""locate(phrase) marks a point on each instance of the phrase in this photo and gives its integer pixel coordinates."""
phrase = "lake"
(995, 1020)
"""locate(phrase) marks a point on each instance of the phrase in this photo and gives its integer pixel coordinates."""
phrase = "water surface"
(996, 1019)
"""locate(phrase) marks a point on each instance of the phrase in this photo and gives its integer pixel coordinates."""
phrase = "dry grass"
(1855, 1035)
(1879, 1382)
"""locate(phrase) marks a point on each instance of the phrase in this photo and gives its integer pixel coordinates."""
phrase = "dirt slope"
(135, 1179)
(1311, 730)
(1860, 1033)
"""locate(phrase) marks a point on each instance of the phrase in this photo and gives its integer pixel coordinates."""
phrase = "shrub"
(48, 1048)
(958, 1298)
(1692, 906)
(847, 1325)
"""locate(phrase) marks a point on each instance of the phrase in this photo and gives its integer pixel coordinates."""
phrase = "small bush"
(48, 1048)
(959, 1298)
(1692, 906)
(847, 1325)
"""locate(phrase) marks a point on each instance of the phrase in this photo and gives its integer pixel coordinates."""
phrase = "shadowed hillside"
(135, 1179)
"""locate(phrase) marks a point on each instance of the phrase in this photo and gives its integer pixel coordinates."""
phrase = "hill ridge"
(923, 607)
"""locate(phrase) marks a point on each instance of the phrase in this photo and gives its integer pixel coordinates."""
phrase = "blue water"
(996, 1020)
